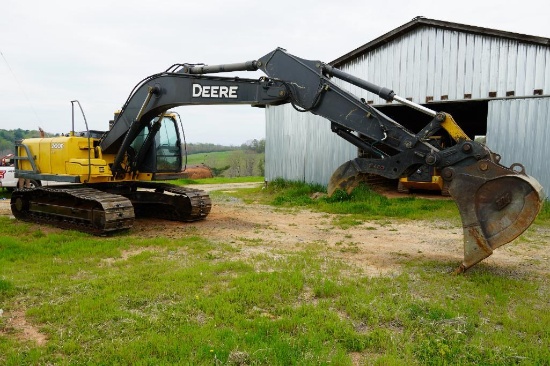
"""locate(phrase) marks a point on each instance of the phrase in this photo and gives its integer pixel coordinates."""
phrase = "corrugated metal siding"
(301, 146)
(519, 130)
(435, 62)
(425, 62)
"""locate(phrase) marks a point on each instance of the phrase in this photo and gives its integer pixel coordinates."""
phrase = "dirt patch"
(5, 207)
(378, 247)
(24, 331)
(226, 187)
(125, 255)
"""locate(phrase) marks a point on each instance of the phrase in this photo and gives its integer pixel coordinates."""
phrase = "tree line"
(8, 138)
(254, 145)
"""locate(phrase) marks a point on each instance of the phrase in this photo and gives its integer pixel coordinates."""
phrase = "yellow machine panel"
(436, 184)
(65, 155)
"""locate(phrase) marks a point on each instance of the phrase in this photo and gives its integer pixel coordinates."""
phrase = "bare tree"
(250, 161)
(236, 159)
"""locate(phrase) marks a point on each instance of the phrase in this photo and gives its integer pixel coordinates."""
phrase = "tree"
(249, 162)
(254, 145)
(8, 138)
(261, 146)
(261, 165)
(235, 161)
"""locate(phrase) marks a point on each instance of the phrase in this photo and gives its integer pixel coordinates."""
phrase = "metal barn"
(494, 83)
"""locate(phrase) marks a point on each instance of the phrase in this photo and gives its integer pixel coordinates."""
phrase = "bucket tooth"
(476, 248)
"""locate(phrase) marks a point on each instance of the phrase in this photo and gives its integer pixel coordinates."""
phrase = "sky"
(96, 51)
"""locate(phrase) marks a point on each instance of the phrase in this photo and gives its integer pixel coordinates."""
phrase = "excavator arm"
(496, 203)
(158, 93)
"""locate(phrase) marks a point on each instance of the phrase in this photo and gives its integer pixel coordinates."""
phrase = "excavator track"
(109, 207)
(80, 208)
(162, 200)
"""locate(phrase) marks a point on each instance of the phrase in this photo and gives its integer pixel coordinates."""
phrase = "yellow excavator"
(115, 174)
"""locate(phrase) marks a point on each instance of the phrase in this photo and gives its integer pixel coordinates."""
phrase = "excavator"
(120, 174)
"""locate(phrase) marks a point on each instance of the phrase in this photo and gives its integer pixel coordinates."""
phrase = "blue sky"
(96, 51)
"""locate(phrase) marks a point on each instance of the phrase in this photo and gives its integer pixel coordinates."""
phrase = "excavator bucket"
(496, 204)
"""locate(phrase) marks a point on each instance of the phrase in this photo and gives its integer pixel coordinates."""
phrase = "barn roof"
(419, 22)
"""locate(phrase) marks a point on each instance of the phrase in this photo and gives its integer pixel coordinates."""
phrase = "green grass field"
(219, 158)
(127, 300)
(229, 163)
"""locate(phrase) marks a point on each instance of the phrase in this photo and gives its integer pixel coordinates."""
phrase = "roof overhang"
(419, 22)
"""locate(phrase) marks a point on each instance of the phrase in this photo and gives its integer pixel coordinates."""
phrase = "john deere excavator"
(117, 170)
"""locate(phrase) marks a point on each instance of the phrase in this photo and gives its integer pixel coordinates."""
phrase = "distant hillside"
(198, 148)
(243, 161)
(236, 163)
(8, 137)
(229, 161)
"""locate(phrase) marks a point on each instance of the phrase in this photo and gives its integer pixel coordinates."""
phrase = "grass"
(220, 158)
(226, 162)
(544, 215)
(4, 194)
(128, 300)
(363, 203)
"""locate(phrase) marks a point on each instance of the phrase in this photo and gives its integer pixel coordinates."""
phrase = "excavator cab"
(164, 154)
(168, 152)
